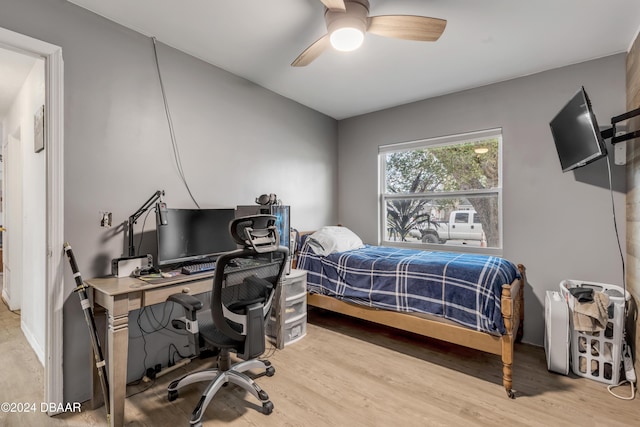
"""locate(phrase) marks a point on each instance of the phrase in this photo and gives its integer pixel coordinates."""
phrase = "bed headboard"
(300, 238)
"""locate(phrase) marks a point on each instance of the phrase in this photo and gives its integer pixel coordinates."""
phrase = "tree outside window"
(443, 191)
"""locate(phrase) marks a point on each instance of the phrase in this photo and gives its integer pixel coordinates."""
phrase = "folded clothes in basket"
(591, 316)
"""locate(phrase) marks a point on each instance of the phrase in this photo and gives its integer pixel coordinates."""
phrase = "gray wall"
(558, 225)
(237, 140)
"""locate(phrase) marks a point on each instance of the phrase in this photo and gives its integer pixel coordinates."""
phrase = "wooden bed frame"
(512, 307)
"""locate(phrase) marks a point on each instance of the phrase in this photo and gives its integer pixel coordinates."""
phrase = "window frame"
(435, 142)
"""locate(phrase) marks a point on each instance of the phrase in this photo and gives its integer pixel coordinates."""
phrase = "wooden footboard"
(512, 306)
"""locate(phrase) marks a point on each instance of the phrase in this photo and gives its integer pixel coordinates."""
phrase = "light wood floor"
(347, 373)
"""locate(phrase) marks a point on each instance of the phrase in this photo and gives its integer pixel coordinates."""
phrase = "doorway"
(24, 197)
(51, 296)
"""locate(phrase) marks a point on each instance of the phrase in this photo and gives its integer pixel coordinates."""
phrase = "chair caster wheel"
(267, 408)
(172, 395)
(270, 371)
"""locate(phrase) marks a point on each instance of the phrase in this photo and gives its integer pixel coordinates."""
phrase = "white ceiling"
(484, 42)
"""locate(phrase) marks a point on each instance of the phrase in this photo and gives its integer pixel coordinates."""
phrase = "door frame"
(54, 137)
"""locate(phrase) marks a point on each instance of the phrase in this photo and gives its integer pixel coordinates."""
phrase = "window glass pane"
(445, 168)
(444, 190)
(461, 218)
(444, 220)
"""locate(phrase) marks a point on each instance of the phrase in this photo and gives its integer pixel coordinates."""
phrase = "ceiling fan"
(348, 21)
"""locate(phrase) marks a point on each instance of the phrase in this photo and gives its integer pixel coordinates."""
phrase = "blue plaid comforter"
(465, 288)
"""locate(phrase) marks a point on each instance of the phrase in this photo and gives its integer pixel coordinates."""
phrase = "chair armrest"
(189, 302)
(191, 305)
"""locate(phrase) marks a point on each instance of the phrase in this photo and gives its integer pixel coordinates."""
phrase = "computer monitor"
(194, 234)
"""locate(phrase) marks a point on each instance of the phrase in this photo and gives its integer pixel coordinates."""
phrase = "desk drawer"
(158, 295)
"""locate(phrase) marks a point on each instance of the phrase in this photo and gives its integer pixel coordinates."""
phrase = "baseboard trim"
(33, 342)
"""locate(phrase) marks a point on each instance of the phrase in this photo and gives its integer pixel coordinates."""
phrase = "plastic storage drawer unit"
(288, 320)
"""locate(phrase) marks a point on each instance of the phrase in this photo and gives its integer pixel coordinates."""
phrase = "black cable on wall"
(174, 144)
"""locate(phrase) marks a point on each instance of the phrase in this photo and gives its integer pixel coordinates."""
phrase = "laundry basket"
(598, 355)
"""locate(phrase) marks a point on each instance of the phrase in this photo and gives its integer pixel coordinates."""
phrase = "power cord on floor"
(269, 351)
(138, 382)
(633, 390)
(629, 373)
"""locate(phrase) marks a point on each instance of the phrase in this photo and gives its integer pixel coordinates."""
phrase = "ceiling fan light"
(346, 39)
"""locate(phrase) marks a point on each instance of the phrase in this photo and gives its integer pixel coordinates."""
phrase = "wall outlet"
(620, 153)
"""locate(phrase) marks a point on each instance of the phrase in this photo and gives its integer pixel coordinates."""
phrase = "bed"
(466, 299)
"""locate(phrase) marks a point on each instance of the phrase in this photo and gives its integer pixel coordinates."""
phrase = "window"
(462, 218)
(443, 191)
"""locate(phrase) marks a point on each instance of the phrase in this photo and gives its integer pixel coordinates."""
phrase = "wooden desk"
(117, 297)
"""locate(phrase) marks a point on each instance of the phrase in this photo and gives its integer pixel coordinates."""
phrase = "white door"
(12, 238)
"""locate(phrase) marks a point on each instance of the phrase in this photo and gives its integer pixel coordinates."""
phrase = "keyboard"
(198, 268)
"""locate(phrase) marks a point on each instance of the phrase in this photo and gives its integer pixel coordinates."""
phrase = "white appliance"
(557, 334)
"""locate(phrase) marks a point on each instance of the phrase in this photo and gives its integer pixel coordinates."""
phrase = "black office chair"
(244, 286)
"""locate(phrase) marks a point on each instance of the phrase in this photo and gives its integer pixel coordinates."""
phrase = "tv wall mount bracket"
(611, 133)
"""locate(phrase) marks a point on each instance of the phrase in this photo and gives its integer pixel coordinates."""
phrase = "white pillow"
(332, 239)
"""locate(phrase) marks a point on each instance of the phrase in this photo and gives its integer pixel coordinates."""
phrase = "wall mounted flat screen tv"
(194, 234)
(576, 134)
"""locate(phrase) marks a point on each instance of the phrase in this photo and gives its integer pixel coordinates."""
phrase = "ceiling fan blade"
(334, 5)
(312, 52)
(407, 27)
